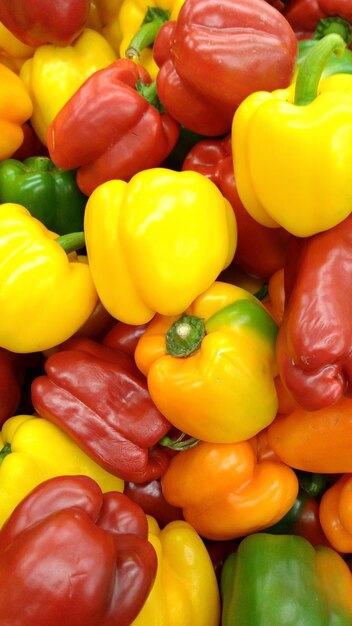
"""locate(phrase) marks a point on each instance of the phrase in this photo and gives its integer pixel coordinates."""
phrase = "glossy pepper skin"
(305, 15)
(150, 498)
(71, 554)
(238, 492)
(242, 47)
(13, 52)
(49, 193)
(276, 579)
(45, 295)
(36, 22)
(260, 250)
(109, 130)
(99, 398)
(224, 392)
(302, 122)
(33, 450)
(185, 591)
(313, 344)
(15, 109)
(149, 247)
(335, 513)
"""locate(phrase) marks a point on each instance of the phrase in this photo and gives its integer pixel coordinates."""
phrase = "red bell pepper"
(111, 127)
(215, 54)
(260, 250)
(11, 379)
(150, 498)
(71, 555)
(124, 337)
(314, 340)
(305, 16)
(36, 22)
(99, 397)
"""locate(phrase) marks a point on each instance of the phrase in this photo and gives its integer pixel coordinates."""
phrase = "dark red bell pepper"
(217, 53)
(305, 16)
(71, 555)
(112, 128)
(11, 379)
(260, 250)
(99, 397)
(36, 22)
(314, 340)
(150, 498)
(124, 337)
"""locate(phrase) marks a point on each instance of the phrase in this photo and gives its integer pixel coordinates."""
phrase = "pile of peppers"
(175, 328)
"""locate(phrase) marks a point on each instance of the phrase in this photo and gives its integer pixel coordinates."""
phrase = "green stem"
(335, 24)
(71, 242)
(185, 336)
(310, 72)
(180, 443)
(149, 92)
(145, 36)
(5, 451)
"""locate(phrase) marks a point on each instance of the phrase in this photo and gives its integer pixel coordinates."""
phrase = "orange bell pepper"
(335, 513)
(227, 491)
(275, 301)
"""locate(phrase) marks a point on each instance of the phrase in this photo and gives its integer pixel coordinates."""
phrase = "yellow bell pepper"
(292, 155)
(15, 109)
(45, 295)
(54, 73)
(33, 450)
(185, 591)
(155, 243)
(13, 52)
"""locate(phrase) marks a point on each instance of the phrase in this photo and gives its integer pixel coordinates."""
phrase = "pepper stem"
(180, 443)
(71, 242)
(5, 451)
(149, 92)
(185, 336)
(153, 20)
(334, 24)
(311, 70)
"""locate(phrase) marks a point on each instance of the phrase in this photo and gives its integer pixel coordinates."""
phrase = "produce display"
(175, 328)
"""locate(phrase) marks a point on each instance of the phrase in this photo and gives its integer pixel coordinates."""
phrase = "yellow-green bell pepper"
(33, 450)
(292, 148)
(54, 73)
(155, 243)
(185, 591)
(45, 294)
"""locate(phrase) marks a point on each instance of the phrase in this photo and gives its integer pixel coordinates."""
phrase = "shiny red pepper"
(150, 498)
(306, 15)
(111, 127)
(260, 250)
(71, 555)
(215, 54)
(99, 397)
(36, 22)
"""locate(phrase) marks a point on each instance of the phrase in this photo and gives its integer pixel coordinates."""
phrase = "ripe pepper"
(308, 128)
(283, 579)
(149, 247)
(36, 22)
(185, 591)
(313, 345)
(237, 492)
(13, 52)
(305, 16)
(45, 295)
(119, 432)
(33, 450)
(260, 250)
(15, 108)
(243, 47)
(49, 193)
(54, 73)
(335, 513)
(211, 371)
(71, 554)
(111, 127)
(150, 498)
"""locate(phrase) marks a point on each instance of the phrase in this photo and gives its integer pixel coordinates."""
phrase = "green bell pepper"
(49, 193)
(282, 580)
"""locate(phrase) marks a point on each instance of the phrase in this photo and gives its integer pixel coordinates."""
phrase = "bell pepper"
(70, 554)
(45, 295)
(313, 345)
(213, 56)
(124, 337)
(260, 250)
(211, 371)
(111, 127)
(122, 431)
(149, 247)
(33, 450)
(49, 193)
(335, 513)
(314, 441)
(237, 492)
(185, 591)
(305, 16)
(11, 379)
(54, 73)
(36, 22)
(13, 52)
(274, 302)
(335, 65)
(309, 128)
(150, 498)
(15, 109)
(283, 579)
